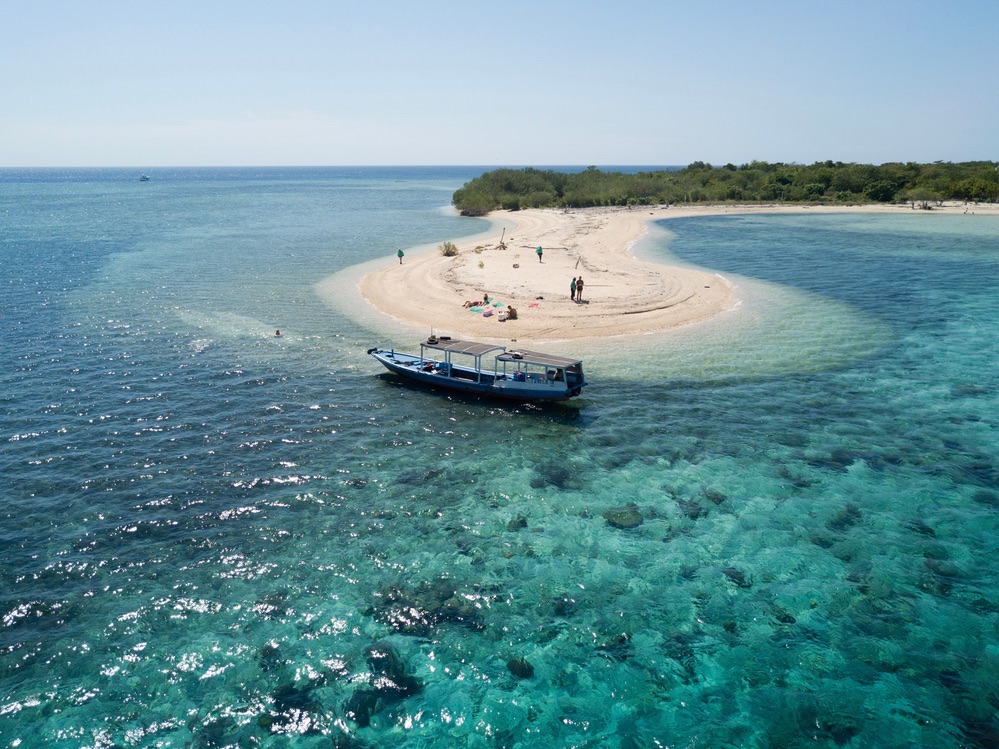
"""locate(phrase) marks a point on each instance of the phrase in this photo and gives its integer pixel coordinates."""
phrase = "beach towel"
(487, 312)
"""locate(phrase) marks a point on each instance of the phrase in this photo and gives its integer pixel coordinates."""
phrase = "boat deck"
(530, 375)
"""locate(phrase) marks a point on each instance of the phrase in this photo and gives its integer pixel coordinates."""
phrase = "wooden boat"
(487, 369)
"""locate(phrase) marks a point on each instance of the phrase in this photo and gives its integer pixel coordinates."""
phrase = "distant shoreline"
(623, 296)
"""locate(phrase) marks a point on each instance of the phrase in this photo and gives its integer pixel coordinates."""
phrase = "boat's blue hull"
(467, 380)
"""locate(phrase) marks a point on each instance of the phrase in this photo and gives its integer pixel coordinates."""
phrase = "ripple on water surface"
(780, 534)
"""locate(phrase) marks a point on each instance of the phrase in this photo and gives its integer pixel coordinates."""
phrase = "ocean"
(776, 529)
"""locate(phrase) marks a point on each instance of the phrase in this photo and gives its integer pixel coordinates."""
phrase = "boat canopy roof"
(519, 355)
(537, 357)
(461, 347)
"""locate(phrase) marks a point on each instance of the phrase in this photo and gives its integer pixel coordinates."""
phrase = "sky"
(518, 82)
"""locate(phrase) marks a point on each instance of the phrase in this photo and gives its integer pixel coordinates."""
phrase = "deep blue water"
(214, 537)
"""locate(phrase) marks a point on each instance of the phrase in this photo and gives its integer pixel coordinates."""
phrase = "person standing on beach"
(579, 289)
(539, 253)
(400, 254)
(572, 289)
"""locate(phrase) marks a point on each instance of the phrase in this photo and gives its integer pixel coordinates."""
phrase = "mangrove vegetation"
(826, 182)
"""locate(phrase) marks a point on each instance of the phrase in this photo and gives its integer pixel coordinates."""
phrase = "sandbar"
(622, 296)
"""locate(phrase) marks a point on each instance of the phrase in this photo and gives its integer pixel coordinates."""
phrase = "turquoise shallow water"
(214, 537)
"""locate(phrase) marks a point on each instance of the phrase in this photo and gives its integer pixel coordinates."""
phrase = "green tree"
(815, 190)
(881, 191)
(922, 197)
(978, 189)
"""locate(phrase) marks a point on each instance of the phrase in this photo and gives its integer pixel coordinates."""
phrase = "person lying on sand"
(476, 303)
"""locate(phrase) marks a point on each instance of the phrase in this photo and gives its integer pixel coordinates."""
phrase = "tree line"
(757, 182)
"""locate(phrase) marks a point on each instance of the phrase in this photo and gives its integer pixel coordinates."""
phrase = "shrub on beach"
(449, 249)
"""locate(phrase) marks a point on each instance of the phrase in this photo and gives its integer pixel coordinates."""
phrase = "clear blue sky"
(524, 82)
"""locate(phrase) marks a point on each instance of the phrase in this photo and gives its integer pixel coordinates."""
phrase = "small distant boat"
(144, 178)
(486, 369)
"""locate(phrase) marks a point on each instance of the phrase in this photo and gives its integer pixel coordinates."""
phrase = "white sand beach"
(622, 295)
